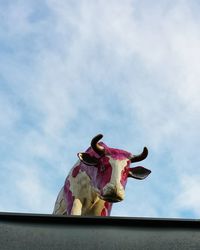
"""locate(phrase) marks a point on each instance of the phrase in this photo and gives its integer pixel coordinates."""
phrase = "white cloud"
(188, 198)
(9, 116)
(16, 13)
(26, 189)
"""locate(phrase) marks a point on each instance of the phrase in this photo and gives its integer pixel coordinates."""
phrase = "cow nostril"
(109, 189)
(113, 193)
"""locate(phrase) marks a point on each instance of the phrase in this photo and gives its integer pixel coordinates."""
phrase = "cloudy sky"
(127, 69)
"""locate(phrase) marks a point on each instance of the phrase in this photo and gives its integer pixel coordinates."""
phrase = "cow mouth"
(112, 199)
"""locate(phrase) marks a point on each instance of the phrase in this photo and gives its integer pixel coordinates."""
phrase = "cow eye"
(102, 168)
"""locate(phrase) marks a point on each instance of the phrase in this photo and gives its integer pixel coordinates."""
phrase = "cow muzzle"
(113, 193)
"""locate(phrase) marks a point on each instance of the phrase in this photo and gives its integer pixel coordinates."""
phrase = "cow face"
(112, 169)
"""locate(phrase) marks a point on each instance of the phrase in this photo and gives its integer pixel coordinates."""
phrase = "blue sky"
(127, 69)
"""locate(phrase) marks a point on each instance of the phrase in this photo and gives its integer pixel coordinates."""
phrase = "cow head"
(112, 169)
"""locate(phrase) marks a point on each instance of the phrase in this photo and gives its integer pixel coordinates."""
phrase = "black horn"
(95, 146)
(139, 157)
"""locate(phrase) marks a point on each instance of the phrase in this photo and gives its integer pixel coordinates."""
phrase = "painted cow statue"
(98, 180)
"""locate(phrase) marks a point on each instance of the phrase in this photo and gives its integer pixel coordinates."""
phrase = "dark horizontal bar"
(112, 220)
(46, 232)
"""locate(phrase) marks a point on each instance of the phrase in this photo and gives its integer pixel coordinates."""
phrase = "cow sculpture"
(98, 180)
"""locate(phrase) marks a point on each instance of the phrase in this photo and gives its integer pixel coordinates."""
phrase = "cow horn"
(95, 146)
(139, 157)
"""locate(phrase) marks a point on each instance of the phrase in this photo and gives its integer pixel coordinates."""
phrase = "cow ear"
(139, 173)
(87, 159)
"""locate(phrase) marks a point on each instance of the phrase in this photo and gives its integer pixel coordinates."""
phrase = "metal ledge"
(36, 231)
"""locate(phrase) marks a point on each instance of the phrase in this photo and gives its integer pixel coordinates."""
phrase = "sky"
(127, 69)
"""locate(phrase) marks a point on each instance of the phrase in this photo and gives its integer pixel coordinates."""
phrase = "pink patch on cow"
(76, 171)
(108, 206)
(117, 154)
(124, 175)
(104, 212)
(107, 209)
(103, 177)
(69, 196)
